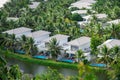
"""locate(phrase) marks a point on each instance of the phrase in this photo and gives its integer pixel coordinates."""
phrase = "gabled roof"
(80, 11)
(57, 36)
(99, 16)
(89, 1)
(117, 21)
(79, 41)
(34, 5)
(19, 30)
(12, 18)
(83, 3)
(111, 43)
(38, 34)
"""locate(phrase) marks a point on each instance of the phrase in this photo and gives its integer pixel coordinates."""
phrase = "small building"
(82, 24)
(12, 18)
(19, 31)
(82, 43)
(39, 36)
(117, 21)
(34, 5)
(81, 12)
(81, 5)
(98, 16)
(87, 18)
(110, 43)
(101, 16)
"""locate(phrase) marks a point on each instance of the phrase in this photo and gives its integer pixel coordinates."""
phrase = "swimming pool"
(20, 51)
(98, 65)
(40, 57)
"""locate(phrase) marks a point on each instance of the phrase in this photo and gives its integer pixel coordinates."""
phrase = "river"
(34, 69)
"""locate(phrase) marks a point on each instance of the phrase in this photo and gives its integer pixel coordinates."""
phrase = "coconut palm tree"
(9, 41)
(54, 48)
(115, 54)
(106, 55)
(80, 55)
(30, 47)
(115, 31)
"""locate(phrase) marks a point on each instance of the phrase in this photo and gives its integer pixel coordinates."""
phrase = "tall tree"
(54, 47)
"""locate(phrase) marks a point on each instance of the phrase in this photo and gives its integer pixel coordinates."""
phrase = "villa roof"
(57, 36)
(81, 22)
(12, 18)
(80, 41)
(117, 21)
(38, 33)
(111, 43)
(18, 30)
(87, 17)
(80, 11)
(34, 5)
(99, 16)
(83, 3)
(89, 1)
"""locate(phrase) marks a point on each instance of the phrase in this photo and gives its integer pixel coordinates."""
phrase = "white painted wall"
(85, 47)
(63, 41)
(41, 38)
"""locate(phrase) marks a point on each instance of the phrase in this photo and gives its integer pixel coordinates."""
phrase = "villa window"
(74, 48)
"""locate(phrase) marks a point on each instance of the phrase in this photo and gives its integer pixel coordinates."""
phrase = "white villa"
(83, 4)
(34, 5)
(39, 36)
(12, 18)
(82, 23)
(19, 31)
(117, 21)
(82, 43)
(62, 40)
(81, 12)
(110, 43)
(99, 16)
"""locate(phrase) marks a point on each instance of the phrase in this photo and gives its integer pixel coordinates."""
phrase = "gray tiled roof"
(57, 36)
(18, 30)
(111, 43)
(80, 41)
(38, 33)
(34, 5)
(117, 21)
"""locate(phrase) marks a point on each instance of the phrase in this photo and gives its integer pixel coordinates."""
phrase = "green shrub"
(76, 17)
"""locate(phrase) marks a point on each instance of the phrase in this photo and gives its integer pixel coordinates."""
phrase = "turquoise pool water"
(20, 51)
(98, 65)
(40, 57)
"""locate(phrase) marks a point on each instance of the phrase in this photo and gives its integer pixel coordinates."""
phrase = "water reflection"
(38, 69)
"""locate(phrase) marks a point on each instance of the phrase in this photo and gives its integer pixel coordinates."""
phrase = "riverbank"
(50, 63)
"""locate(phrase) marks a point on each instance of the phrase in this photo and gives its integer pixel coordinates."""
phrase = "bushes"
(76, 17)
